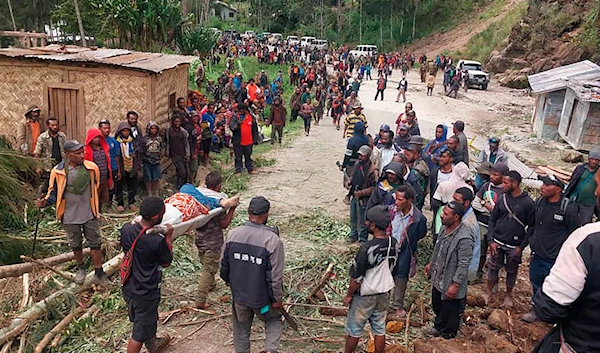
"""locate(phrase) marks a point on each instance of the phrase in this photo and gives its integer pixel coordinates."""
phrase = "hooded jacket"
(382, 192)
(137, 162)
(149, 156)
(354, 143)
(484, 155)
(89, 151)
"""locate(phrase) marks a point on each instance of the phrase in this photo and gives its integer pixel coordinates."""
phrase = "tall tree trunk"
(391, 23)
(339, 20)
(322, 24)
(12, 17)
(414, 21)
(80, 23)
(401, 26)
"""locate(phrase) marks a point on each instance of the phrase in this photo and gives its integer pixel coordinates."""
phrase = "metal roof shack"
(148, 62)
(556, 79)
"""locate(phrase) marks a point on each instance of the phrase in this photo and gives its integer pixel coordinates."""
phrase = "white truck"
(275, 39)
(306, 43)
(477, 77)
(292, 40)
(364, 50)
(320, 44)
(248, 35)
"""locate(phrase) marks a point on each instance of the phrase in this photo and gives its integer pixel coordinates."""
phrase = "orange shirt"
(36, 130)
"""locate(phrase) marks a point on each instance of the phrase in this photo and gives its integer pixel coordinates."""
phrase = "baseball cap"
(494, 140)
(385, 127)
(72, 146)
(259, 206)
(501, 168)
(365, 150)
(404, 127)
(550, 179)
(459, 124)
(595, 154)
(380, 215)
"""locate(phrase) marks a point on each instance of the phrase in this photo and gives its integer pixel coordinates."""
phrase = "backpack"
(125, 270)
(379, 279)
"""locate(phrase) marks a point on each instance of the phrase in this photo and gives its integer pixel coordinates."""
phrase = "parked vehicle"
(263, 37)
(275, 38)
(248, 35)
(320, 44)
(306, 43)
(477, 77)
(364, 50)
(230, 33)
(292, 40)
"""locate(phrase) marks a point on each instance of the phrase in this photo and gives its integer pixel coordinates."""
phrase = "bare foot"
(508, 302)
(487, 297)
(401, 313)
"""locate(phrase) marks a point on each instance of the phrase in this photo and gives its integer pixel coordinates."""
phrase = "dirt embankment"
(552, 34)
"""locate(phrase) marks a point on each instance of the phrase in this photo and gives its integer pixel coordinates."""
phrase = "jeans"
(538, 270)
(357, 221)
(210, 266)
(276, 131)
(446, 314)
(377, 94)
(586, 213)
(294, 114)
(182, 168)
(130, 180)
(242, 325)
(245, 152)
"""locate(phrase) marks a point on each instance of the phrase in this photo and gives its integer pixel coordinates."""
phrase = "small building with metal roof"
(81, 86)
(552, 106)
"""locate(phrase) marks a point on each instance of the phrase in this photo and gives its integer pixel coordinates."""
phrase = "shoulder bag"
(128, 259)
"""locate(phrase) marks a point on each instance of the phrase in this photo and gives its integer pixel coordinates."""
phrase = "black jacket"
(505, 228)
(577, 173)
(554, 222)
(570, 296)
(235, 126)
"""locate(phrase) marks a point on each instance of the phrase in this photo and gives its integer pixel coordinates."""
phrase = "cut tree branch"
(324, 278)
(65, 275)
(62, 324)
(19, 269)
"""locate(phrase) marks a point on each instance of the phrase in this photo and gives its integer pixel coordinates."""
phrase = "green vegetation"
(196, 38)
(481, 45)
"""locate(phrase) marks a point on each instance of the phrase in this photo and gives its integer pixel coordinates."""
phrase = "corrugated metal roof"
(150, 62)
(556, 79)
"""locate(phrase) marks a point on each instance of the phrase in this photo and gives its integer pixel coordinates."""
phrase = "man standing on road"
(361, 185)
(484, 203)
(402, 87)
(352, 119)
(401, 119)
(464, 196)
(142, 290)
(177, 147)
(245, 135)
(371, 307)
(50, 147)
(277, 117)
(442, 172)
(418, 174)
(448, 270)
(408, 226)
(507, 234)
(556, 217)
(74, 190)
(29, 130)
(387, 148)
(252, 265)
(295, 104)
(209, 241)
(381, 85)
(582, 186)
(569, 296)
(463, 142)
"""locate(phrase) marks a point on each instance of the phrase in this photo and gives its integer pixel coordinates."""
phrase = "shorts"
(144, 315)
(103, 192)
(151, 172)
(90, 230)
(371, 308)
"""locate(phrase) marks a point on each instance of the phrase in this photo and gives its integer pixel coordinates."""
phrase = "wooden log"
(62, 324)
(324, 278)
(39, 309)
(559, 170)
(22, 33)
(556, 174)
(25, 297)
(19, 269)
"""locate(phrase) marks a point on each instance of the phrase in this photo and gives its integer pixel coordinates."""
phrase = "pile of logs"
(560, 173)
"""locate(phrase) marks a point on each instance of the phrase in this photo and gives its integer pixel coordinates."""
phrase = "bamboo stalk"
(62, 324)
(412, 307)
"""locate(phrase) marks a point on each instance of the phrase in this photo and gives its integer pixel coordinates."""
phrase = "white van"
(364, 50)
(320, 44)
(306, 42)
(292, 40)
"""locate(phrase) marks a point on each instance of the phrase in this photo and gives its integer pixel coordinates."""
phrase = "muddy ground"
(305, 178)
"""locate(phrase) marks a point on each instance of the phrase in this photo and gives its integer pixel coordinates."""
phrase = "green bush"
(196, 38)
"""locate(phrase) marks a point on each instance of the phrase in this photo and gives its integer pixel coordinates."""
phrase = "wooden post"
(12, 17)
(23, 41)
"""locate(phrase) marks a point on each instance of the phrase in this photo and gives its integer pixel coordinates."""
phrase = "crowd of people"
(479, 222)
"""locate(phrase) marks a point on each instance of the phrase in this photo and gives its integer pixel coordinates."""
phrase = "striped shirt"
(351, 120)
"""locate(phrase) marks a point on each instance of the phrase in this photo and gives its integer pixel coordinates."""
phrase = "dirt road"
(305, 176)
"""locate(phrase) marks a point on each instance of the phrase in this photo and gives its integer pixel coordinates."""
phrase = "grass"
(481, 45)
(493, 10)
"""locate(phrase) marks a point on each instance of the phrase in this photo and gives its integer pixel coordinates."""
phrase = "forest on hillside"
(156, 24)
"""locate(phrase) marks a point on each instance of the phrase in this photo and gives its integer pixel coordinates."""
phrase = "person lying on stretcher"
(191, 202)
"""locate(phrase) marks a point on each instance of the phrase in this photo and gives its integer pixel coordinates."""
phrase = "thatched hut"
(81, 86)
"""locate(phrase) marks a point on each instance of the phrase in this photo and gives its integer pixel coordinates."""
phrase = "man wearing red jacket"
(97, 151)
